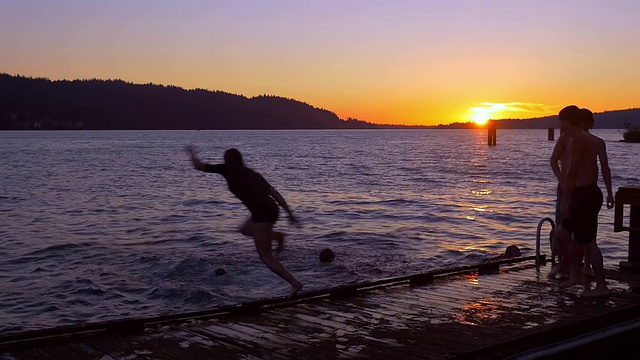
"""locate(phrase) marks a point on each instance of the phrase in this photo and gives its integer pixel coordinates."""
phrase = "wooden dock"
(489, 311)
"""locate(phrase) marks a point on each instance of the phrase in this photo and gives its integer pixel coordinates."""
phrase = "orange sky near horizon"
(411, 62)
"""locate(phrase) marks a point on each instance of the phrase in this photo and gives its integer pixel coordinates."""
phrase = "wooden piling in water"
(551, 134)
(491, 133)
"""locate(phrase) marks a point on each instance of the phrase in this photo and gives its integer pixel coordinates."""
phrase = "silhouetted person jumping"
(262, 201)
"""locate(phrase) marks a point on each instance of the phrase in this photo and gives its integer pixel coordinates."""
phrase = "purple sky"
(394, 62)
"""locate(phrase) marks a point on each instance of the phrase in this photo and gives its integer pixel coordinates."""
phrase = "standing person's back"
(581, 203)
(559, 165)
(601, 147)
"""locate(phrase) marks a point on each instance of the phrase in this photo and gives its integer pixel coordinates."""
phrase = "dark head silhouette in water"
(327, 255)
(512, 251)
(262, 201)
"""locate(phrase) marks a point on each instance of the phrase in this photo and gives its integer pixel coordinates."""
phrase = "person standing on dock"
(581, 202)
(262, 201)
(587, 125)
(559, 165)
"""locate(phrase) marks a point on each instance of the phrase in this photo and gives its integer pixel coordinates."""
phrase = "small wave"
(199, 297)
(152, 242)
(202, 242)
(52, 251)
(174, 219)
(78, 302)
(194, 202)
(394, 202)
(501, 217)
(10, 199)
(399, 202)
(182, 296)
(332, 236)
(50, 308)
(103, 211)
(430, 218)
(187, 268)
(88, 291)
(10, 328)
(482, 192)
(144, 259)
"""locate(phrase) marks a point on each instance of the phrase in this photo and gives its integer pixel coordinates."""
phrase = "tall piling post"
(491, 133)
(551, 134)
(629, 195)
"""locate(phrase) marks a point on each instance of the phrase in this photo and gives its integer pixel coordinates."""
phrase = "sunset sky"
(401, 62)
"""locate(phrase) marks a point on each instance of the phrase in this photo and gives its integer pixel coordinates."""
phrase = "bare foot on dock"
(295, 289)
(556, 273)
(599, 291)
(564, 274)
(571, 282)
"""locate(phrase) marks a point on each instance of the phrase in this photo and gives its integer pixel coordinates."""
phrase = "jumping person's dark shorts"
(585, 205)
(265, 213)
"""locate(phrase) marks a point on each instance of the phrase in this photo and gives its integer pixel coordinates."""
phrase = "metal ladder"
(553, 228)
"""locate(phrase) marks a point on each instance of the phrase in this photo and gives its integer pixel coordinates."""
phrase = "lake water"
(99, 225)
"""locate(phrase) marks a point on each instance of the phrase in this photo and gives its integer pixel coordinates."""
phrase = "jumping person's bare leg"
(279, 238)
(247, 228)
(262, 238)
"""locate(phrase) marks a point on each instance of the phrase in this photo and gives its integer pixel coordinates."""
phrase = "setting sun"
(480, 118)
(482, 114)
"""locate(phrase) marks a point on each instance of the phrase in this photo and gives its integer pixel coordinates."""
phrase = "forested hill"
(27, 103)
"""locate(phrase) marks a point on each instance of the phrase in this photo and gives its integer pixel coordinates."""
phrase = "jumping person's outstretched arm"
(276, 195)
(199, 165)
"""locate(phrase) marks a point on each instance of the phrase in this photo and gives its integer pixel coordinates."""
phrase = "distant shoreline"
(292, 129)
(39, 103)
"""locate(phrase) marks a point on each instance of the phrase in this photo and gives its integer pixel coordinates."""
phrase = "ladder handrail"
(553, 228)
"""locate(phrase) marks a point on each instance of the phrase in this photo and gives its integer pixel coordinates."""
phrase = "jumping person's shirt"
(246, 184)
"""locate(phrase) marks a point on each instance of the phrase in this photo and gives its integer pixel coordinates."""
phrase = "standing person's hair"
(587, 118)
(571, 114)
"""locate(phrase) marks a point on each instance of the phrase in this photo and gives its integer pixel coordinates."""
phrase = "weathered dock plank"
(303, 343)
(27, 354)
(325, 344)
(139, 347)
(85, 351)
(355, 329)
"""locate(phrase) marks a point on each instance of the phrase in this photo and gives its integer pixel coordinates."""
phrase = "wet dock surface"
(469, 314)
